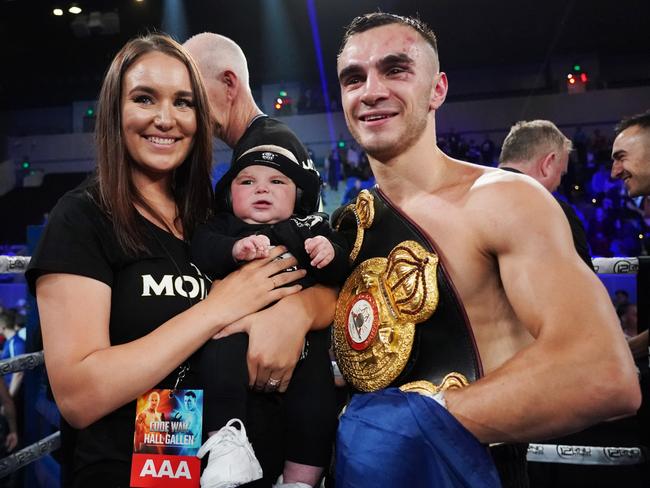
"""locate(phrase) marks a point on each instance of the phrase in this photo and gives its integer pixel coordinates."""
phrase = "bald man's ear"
(230, 80)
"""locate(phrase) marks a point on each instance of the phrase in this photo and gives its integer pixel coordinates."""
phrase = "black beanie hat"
(305, 177)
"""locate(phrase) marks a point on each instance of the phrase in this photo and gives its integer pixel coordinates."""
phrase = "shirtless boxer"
(553, 359)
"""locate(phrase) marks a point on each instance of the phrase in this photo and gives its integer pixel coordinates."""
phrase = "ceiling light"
(74, 9)
(58, 12)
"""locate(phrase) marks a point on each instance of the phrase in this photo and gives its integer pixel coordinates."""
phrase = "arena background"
(506, 61)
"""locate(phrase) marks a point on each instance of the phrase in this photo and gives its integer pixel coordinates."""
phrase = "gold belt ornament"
(377, 311)
(363, 210)
(450, 382)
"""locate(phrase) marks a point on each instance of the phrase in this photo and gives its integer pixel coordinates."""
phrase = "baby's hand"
(251, 247)
(320, 251)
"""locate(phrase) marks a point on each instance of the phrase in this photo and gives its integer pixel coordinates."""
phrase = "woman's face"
(158, 114)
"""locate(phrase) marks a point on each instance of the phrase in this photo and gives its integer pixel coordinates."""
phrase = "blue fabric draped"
(394, 439)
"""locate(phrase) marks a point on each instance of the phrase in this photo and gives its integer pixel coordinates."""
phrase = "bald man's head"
(215, 54)
(225, 74)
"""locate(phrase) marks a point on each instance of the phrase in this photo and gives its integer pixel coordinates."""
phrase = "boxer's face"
(388, 76)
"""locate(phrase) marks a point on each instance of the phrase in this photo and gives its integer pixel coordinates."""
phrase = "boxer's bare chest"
(458, 230)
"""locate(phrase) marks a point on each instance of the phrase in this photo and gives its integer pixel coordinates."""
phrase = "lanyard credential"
(168, 429)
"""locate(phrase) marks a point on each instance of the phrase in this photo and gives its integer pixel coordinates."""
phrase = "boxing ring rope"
(616, 265)
(545, 453)
(21, 362)
(585, 455)
(13, 264)
(29, 454)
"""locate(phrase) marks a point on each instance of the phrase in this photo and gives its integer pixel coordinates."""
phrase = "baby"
(268, 198)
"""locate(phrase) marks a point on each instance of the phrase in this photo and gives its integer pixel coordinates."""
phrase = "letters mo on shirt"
(173, 285)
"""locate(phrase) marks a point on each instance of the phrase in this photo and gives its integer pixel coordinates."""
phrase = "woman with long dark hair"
(122, 308)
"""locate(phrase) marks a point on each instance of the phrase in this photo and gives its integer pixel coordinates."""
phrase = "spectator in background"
(601, 227)
(352, 192)
(601, 182)
(364, 167)
(305, 102)
(14, 346)
(473, 154)
(353, 158)
(453, 141)
(621, 297)
(580, 141)
(333, 169)
(631, 163)
(8, 435)
(627, 313)
(625, 240)
(645, 208)
(488, 149)
(600, 147)
(11, 393)
(538, 149)
(8, 426)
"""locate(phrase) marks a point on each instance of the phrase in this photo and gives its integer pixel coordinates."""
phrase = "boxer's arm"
(578, 370)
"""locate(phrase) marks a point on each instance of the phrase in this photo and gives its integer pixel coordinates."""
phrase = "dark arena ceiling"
(45, 62)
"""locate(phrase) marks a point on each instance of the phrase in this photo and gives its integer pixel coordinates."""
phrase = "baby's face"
(262, 195)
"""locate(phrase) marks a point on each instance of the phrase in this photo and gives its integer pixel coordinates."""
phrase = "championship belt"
(398, 319)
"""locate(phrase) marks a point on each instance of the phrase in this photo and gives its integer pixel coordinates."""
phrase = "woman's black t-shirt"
(146, 291)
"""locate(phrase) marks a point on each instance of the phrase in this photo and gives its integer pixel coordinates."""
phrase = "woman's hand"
(277, 334)
(254, 286)
(275, 341)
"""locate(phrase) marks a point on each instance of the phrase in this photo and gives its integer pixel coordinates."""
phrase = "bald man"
(240, 123)
(537, 148)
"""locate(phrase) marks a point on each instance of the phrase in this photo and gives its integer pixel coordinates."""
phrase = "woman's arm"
(91, 378)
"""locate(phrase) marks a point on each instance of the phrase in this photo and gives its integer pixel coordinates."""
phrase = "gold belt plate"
(377, 312)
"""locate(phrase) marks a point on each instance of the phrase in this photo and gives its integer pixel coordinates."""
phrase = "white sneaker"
(280, 484)
(232, 461)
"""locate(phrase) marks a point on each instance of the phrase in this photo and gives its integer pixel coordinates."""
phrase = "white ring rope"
(618, 265)
(29, 454)
(585, 455)
(541, 453)
(13, 264)
(21, 362)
